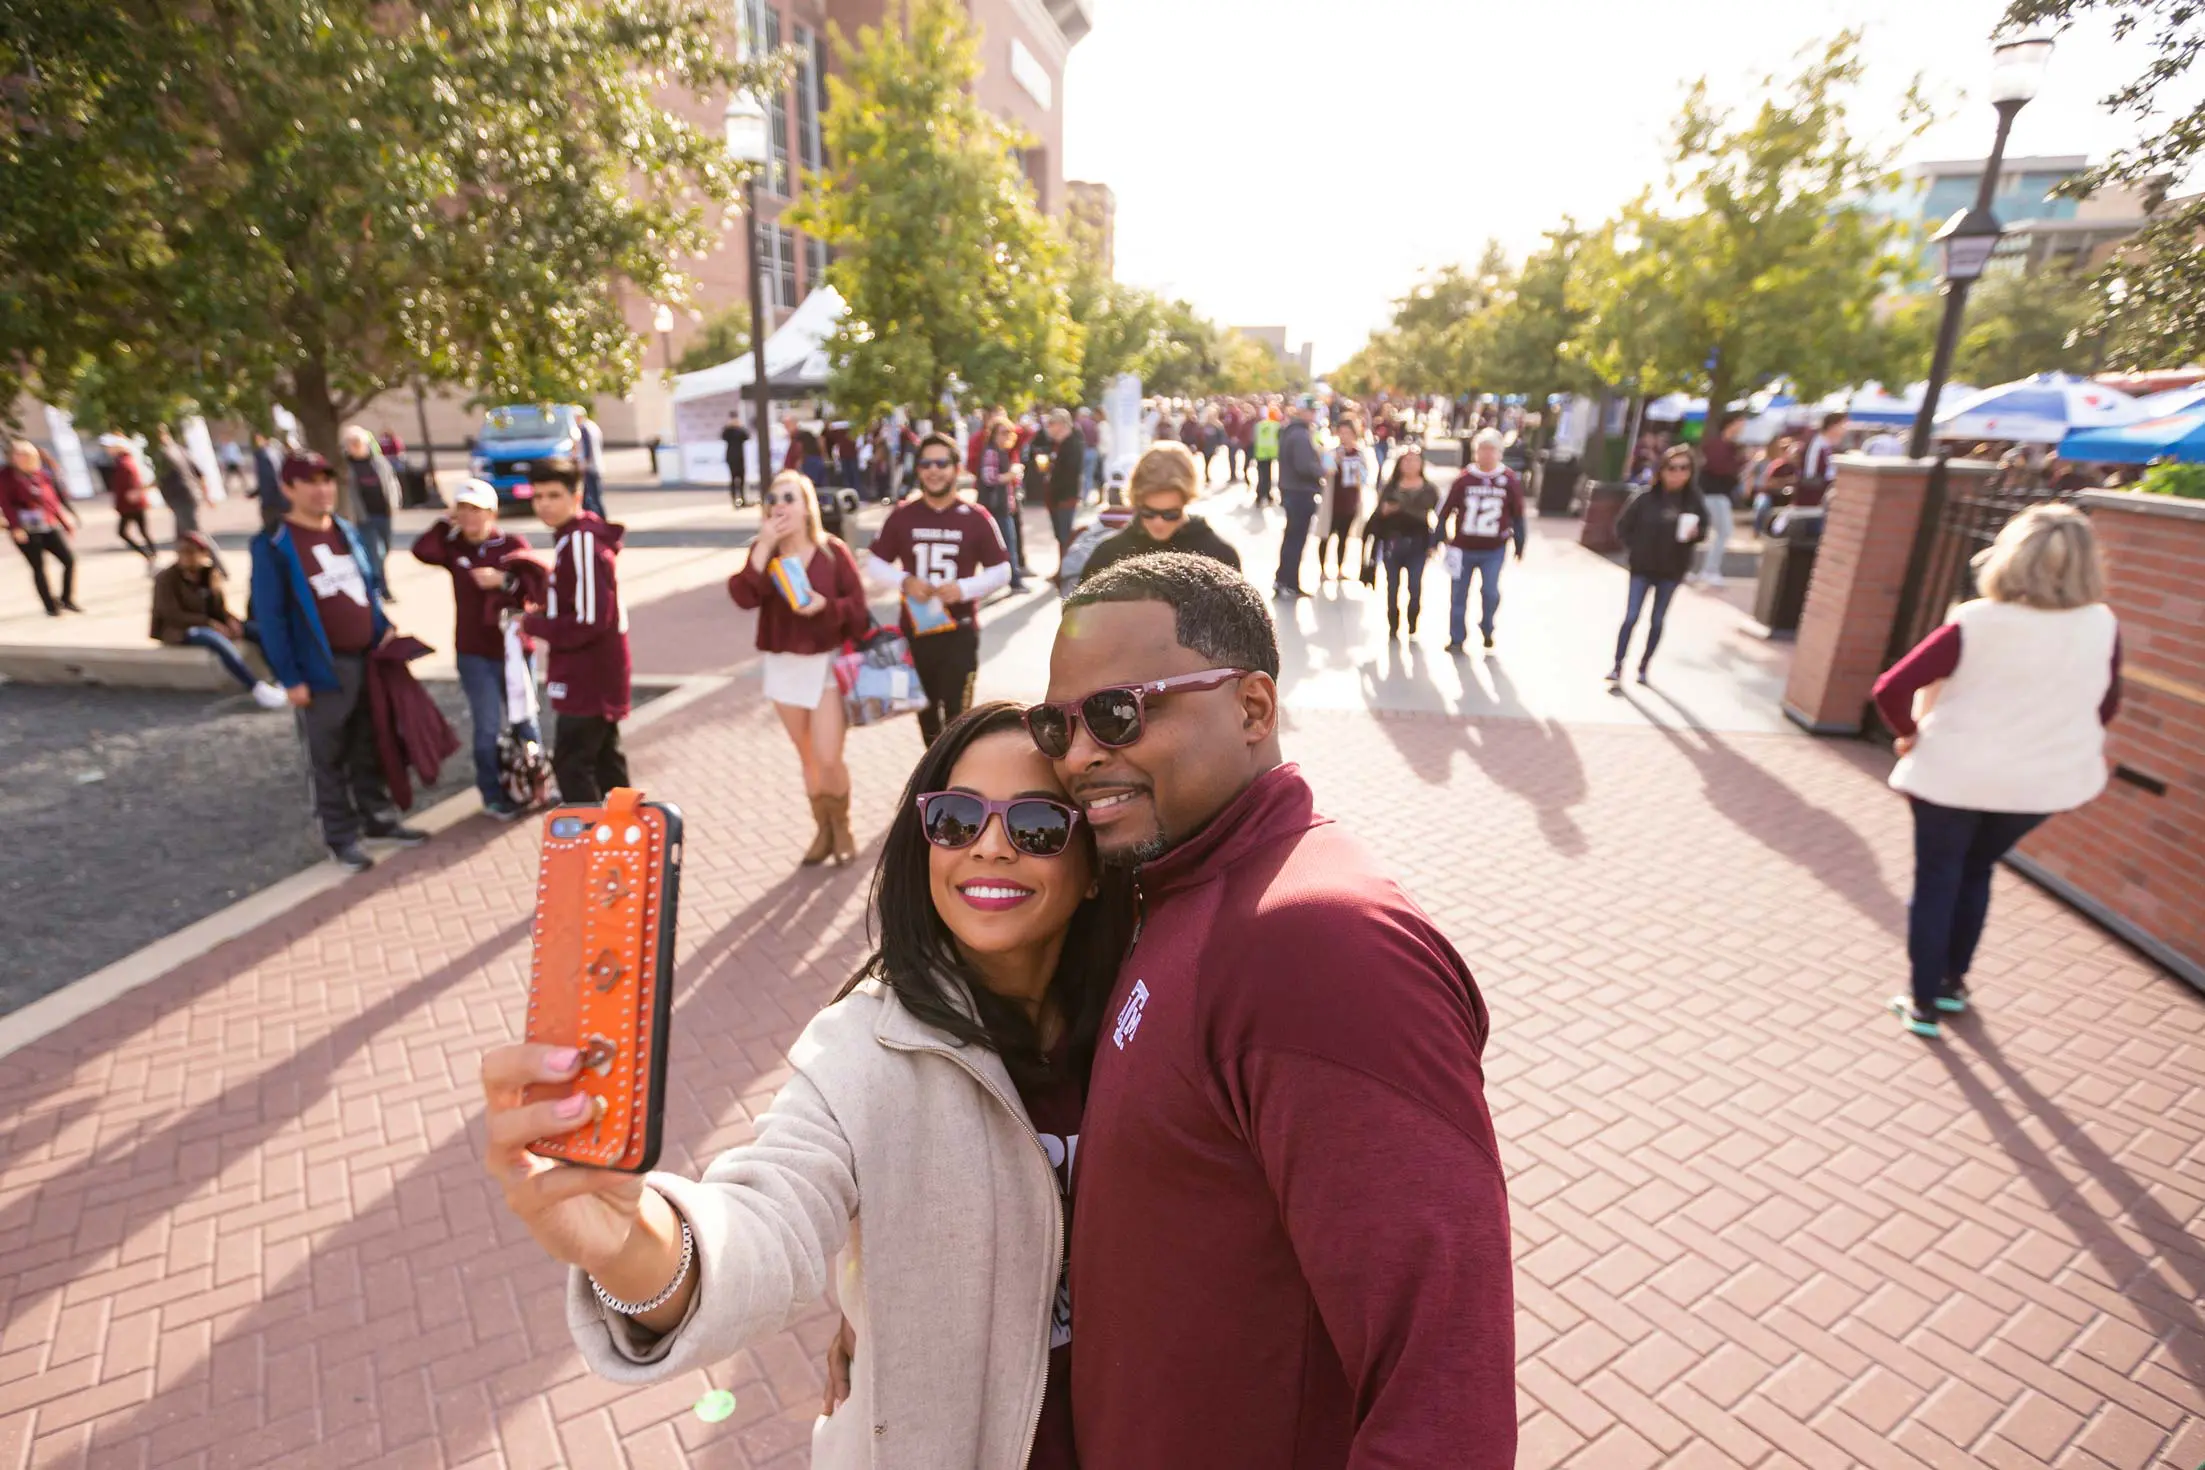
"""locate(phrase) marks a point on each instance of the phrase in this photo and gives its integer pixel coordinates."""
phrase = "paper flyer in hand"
(928, 617)
(788, 575)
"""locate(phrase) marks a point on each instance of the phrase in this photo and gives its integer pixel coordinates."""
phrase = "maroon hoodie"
(1290, 1244)
(476, 629)
(584, 623)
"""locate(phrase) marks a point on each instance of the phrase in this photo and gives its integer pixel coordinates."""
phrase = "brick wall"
(1874, 510)
(2133, 859)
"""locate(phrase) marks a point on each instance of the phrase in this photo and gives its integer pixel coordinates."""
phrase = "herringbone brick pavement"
(242, 1218)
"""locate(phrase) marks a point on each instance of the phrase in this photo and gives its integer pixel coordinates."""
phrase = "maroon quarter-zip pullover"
(1290, 1249)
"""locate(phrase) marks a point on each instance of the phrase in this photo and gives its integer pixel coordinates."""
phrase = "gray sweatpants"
(339, 730)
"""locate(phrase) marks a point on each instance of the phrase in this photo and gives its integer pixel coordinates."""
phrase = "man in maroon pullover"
(1290, 1241)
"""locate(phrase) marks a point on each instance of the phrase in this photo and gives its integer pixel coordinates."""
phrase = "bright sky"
(1300, 163)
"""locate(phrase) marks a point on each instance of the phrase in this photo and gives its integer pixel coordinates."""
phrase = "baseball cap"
(305, 464)
(480, 494)
(1307, 400)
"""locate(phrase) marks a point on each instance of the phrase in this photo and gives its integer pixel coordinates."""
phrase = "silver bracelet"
(637, 1309)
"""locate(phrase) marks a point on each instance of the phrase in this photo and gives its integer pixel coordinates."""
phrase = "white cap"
(480, 494)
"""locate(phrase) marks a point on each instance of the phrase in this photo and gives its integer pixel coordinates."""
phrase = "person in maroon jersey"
(944, 553)
(1290, 1241)
(587, 628)
(1483, 512)
(471, 545)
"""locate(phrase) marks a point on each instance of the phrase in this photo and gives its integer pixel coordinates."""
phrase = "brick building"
(1023, 47)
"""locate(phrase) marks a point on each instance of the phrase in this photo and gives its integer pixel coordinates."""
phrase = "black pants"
(1954, 853)
(143, 545)
(948, 662)
(586, 758)
(1263, 480)
(339, 730)
(36, 548)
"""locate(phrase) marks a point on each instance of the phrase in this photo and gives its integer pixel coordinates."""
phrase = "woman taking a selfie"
(800, 644)
(939, 1096)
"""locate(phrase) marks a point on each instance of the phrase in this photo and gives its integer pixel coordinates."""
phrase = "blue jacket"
(290, 626)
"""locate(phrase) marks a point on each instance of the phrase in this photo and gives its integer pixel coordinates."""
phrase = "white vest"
(2015, 729)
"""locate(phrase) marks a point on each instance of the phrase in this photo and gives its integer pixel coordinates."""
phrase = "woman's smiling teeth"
(994, 895)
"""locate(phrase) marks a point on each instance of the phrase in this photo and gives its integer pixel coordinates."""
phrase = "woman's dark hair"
(918, 958)
(1393, 475)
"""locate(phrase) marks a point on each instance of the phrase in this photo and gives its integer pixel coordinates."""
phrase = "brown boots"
(823, 837)
(832, 836)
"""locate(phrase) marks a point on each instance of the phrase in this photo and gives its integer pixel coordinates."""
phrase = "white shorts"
(798, 680)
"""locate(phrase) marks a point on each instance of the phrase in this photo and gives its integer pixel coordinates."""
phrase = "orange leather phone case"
(602, 977)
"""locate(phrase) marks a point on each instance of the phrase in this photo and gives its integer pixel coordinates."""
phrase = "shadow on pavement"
(2127, 1271)
(1775, 815)
(46, 1065)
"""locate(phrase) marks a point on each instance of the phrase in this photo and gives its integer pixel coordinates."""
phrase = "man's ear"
(1259, 707)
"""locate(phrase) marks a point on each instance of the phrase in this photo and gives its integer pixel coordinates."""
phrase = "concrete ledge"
(154, 666)
(2153, 949)
(2175, 507)
(81, 997)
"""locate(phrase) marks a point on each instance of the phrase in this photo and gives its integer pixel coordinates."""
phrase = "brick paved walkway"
(242, 1219)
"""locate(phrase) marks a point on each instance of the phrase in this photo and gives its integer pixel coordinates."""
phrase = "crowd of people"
(1117, 911)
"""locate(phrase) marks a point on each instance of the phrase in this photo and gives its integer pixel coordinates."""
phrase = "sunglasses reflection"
(1037, 826)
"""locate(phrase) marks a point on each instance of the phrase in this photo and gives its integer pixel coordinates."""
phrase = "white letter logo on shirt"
(339, 574)
(1129, 1019)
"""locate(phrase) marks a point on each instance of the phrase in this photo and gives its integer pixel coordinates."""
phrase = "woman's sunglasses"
(1036, 826)
(1115, 717)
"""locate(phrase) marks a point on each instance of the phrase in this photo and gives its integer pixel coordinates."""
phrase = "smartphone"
(602, 977)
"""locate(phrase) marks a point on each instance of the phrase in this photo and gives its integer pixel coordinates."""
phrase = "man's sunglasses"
(935, 462)
(1115, 717)
(1151, 513)
(1036, 826)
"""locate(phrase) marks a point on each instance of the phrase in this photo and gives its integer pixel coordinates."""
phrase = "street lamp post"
(1968, 238)
(669, 444)
(747, 144)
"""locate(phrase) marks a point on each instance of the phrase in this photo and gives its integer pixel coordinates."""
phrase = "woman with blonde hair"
(800, 640)
(1166, 479)
(2000, 716)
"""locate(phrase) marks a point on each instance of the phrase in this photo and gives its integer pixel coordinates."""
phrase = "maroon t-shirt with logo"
(340, 591)
(1054, 1106)
(937, 544)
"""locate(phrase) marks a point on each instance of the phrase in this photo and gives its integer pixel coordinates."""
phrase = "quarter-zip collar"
(1276, 805)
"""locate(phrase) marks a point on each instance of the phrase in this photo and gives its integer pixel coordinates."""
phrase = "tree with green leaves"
(951, 272)
(246, 202)
(1769, 268)
(2020, 324)
(2155, 315)
(723, 337)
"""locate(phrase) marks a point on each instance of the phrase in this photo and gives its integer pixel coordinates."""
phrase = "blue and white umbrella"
(2040, 410)
(2164, 436)
(2174, 400)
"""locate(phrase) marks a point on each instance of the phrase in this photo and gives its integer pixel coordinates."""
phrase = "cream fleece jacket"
(951, 1284)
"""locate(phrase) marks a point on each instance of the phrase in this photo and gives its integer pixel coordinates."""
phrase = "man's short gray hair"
(1484, 437)
(1059, 416)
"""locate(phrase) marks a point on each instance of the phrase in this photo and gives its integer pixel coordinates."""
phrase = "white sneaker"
(269, 696)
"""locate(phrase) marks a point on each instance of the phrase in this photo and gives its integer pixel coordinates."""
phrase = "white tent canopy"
(796, 355)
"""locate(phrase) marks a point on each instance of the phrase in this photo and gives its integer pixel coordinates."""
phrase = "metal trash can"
(1787, 562)
(1604, 501)
(1558, 475)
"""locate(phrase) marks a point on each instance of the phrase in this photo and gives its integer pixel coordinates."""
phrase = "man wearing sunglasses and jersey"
(1291, 1240)
(1165, 481)
(944, 553)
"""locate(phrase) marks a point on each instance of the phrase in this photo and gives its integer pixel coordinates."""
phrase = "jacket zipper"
(1056, 1233)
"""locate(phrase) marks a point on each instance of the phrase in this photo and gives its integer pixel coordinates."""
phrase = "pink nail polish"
(575, 1106)
(563, 1059)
